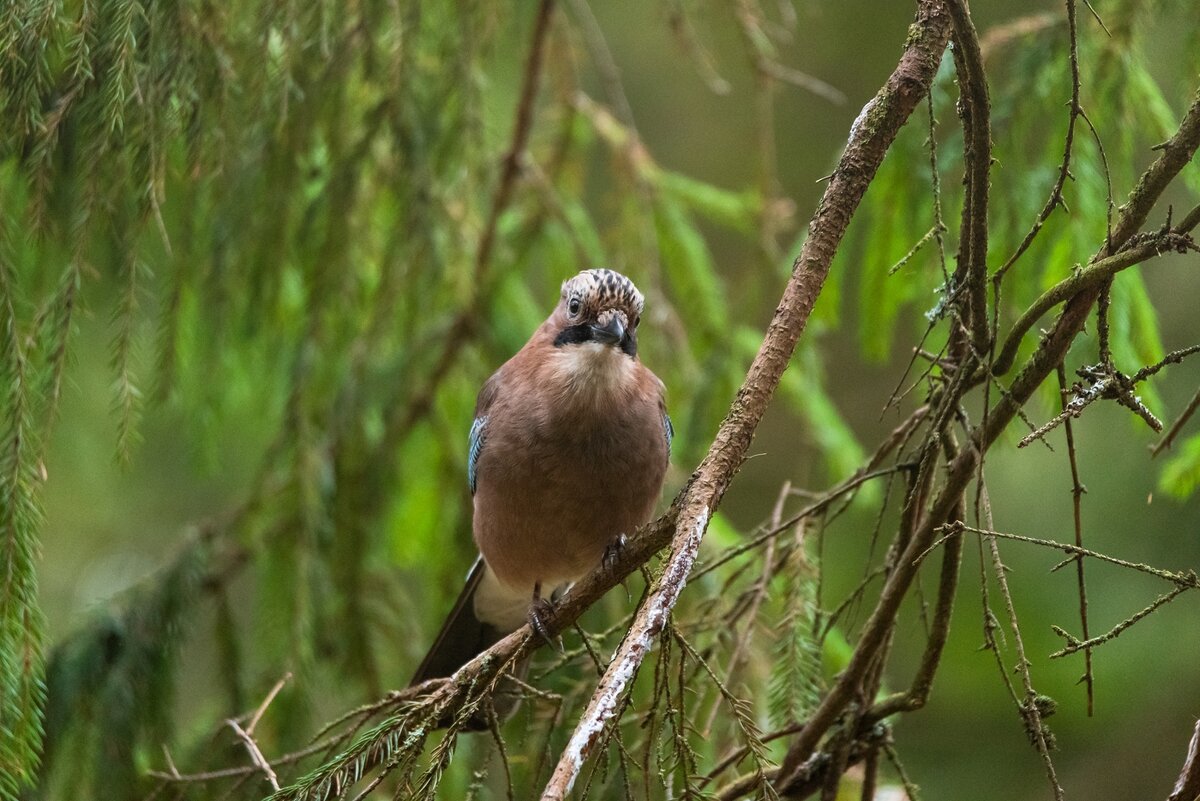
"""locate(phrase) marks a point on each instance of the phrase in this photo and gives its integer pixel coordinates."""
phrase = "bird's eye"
(573, 306)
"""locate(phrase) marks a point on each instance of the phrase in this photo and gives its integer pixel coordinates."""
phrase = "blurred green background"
(111, 523)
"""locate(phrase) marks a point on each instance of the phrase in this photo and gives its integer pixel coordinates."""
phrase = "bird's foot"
(612, 553)
(539, 609)
(612, 556)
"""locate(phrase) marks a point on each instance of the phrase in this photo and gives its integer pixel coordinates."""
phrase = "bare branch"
(1091, 277)
(1064, 168)
(1178, 425)
(952, 529)
(975, 109)
(266, 702)
(1187, 787)
(256, 754)
(1077, 491)
(1074, 644)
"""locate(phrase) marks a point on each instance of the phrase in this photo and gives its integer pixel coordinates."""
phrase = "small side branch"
(1178, 425)
(1092, 276)
(1064, 169)
(256, 754)
(916, 696)
(952, 529)
(1031, 710)
(1110, 383)
(1077, 491)
(1074, 645)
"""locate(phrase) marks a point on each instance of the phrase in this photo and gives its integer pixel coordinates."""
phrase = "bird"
(566, 457)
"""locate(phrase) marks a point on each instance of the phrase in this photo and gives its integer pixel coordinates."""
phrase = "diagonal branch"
(1178, 425)
(1092, 276)
(873, 132)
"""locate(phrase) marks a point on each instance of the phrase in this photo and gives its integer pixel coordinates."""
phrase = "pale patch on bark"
(646, 627)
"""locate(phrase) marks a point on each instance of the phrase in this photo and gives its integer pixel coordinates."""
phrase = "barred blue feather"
(474, 449)
(668, 432)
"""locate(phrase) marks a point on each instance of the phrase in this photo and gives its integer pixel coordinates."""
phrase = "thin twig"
(758, 593)
(952, 529)
(1085, 278)
(1178, 425)
(1074, 644)
(936, 230)
(1097, 16)
(256, 755)
(1110, 383)
(1077, 491)
(1174, 357)
(741, 752)
(818, 506)
(1029, 708)
(1064, 168)
(911, 791)
(258, 713)
(173, 775)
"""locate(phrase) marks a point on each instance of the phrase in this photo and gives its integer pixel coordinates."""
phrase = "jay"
(567, 454)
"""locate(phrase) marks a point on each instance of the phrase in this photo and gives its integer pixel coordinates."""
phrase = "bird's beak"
(611, 332)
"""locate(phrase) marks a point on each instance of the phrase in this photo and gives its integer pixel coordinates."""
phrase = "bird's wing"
(475, 448)
(668, 431)
(479, 427)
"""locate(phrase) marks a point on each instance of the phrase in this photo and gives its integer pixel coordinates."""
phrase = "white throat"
(593, 370)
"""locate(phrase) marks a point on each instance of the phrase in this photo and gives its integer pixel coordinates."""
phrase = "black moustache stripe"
(577, 334)
(573, 335)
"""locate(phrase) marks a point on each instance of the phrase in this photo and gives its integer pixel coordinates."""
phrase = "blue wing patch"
(474, 449)
(668, 432)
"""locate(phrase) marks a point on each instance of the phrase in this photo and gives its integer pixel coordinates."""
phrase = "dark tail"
(463, 636)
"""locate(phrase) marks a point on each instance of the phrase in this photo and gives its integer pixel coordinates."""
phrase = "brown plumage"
(568, 453)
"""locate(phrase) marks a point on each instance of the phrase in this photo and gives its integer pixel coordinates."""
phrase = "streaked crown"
(600, 290)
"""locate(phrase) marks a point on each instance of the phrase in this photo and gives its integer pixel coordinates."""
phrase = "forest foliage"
(322, 218)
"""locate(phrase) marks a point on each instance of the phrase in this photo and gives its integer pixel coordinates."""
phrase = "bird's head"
(601, 307)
